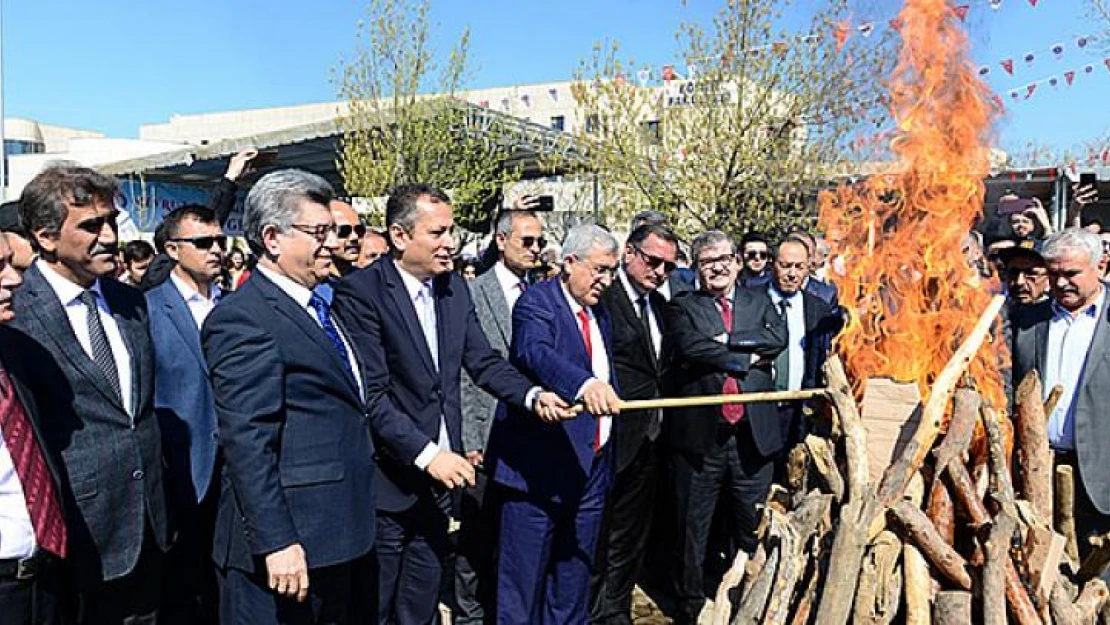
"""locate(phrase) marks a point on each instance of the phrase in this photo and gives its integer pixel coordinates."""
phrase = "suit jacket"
(182, 395)
(637, 369)
(550, 461)
(113, 460)
(298, 458)
(478, 406)
(406, 395)
(1029, 325)
(698, 363)
(822, 323)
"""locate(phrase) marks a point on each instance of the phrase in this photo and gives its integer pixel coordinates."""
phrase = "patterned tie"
(101, 348)
(30, 465)
(587, 339)
(782, 361)
(323, 315)
(731, 412)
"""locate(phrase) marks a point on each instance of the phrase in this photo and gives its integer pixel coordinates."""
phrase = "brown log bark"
(1097, 559)
(1091, 600)
(953, 607)
(1002, 486)
(733, 577)
(941, 511)
(994, 570)
(823, 460)
(920, 531)
(965, 414)
(754, 601)
(880, 583)
(1061, 609)
(967, 494)
(1021, 606)
(1064, 513)
(791, 566)
(1053, 398)
(1036, 457)
(918, 586)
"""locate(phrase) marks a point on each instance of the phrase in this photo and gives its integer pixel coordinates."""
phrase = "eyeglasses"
(345, 230)
(528, 242)
(705, 263)
(203, 243)
(756, 255)
(319, 232)
(601, 271)
(654, 262)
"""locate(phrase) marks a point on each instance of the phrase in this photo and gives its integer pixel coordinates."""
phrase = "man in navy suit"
(185, 407)
(414, 325)
(554, 475)
(295, 523)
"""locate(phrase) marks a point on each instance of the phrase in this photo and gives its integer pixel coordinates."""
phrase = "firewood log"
(880, 584)
(917, 529)
(1060, 607)
(1091, 600)
(994, 570)
(1036, 457)
(754, 601)
(733, 577)
(967, 494)
(953, 607)
(1053, 398)
(1094, 565)
(1064, 513)
(823, 461)
(1021, 606)
(941, 511)
(965, 414)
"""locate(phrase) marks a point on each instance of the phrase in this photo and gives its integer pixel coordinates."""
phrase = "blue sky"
(114, 64)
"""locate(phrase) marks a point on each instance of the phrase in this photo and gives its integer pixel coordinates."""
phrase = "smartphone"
(1016, 205)
(546, 203)
(1089, 179)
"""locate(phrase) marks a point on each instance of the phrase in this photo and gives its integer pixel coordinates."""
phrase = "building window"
(558, 122)
(15, 146)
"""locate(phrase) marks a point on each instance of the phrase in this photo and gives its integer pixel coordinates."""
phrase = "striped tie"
(101, 349)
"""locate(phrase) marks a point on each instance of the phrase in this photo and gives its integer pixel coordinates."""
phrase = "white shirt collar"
(634, 293)
(1091, 310)
(300, 293)
(66, 290)
(506, 277)
(192, 295)
(575, 307)
(777, 296)
(412, 284)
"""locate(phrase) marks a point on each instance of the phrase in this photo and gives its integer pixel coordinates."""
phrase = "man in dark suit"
(185, 407)
(636, 308)
(811, 322)
(1067, 340)
(296, 519)
(554, 475)
(32, 522)
(519, 240)
(94, 386)
(720, 339)
(413, 322)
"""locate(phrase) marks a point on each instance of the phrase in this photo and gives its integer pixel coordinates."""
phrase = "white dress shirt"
(302, 296)
(69, 293)
(599, 361)
(634, 295)
(796, 335)
(511, 284)
(199, 305)
(1069, 343)
(17, 535)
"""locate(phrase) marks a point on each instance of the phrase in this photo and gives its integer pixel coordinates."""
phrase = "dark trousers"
(1088, 520)
(36, 601)
(133, 599)
(475, 557)
(190, 592)
(339, 594)
(733, 473)
(412, 547)
(624, 537)
(546, 551)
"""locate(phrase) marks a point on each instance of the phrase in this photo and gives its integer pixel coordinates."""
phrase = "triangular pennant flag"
(1014, 94)
(643, 76)
(1058, 50)
(484, 104)
(984, 70)
(1029, 58)
(1087, 69)
(527, 100)
(866, 29)
(1053, 82)
(1029, 89)
(896, 23)
(841, 33)
(1105, 157)
(1081, 42)
(961, 11)
(997, 99)
(1069, 77)
(996, 4)
(1033, 3)
(1008, 65)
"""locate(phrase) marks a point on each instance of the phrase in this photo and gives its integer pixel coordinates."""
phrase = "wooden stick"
(994, 570)
(1065, 509)
(879, 580)
(1002, 486)
(1097, 560)
(941, 511)
(918, 582)
(895, 479)
(1061, 608)
(715, 400)
(1021, 606)
(953, 607)
(1091, 599)
(965, 413)
(1053, 398)
(1036, 457)
(722, 606)
(967, 495)
(919, 530)
(823, 459)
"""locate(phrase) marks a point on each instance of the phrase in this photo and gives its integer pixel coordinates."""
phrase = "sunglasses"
(203, 243)
(654, 262)
(319, 232)
(528, 242)
(345, 230)
(756, 255)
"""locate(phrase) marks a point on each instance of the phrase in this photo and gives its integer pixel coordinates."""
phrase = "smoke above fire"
(900, 234)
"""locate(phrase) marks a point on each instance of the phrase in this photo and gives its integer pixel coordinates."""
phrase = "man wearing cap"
(22, 252)
(1025, 274)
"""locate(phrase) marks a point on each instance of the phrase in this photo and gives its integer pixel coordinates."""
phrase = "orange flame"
(900, 233)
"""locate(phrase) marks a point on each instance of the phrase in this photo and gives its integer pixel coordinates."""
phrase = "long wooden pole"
(715, 400)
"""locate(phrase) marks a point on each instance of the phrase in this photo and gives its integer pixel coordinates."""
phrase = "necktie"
(323, 315)
(645, 321)
(587, 339)
(782, 361)
(30, 465)
(427, 311)
(731, 412)
(523, 286)
(98, 339)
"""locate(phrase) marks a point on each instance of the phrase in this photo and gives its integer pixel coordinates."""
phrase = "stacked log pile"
(972, 526)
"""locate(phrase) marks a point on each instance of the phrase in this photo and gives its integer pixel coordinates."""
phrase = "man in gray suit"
(1067, 340)
(519, 240)
(92, 352)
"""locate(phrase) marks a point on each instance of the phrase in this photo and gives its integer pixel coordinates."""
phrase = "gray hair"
(1073, 240)
(583, 238)
(706, 239)
(505, 221)
(275, 201)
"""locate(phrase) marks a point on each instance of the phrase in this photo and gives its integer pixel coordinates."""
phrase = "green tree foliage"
(766, 116)
(404, 122)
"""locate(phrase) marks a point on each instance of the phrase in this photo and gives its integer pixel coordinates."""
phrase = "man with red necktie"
(32, 526)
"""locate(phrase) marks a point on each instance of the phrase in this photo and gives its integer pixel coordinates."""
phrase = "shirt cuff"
(582, 389)
(426, 456)
(531, 397)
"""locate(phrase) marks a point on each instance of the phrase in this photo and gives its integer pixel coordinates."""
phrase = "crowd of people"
(339, 425)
